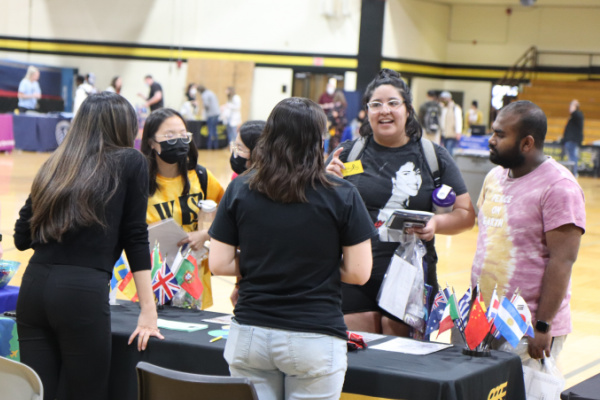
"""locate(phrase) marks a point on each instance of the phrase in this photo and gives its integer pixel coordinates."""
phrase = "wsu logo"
(498, 393)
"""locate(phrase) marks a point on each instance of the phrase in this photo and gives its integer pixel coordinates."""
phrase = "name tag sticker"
(353, 168)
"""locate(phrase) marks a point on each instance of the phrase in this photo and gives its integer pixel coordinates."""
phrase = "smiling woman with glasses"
(396, 175)
(177, 182)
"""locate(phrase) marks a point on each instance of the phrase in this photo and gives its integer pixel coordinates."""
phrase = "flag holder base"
(476, 353)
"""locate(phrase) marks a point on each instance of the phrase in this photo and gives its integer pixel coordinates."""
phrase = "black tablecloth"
(199, 132)
(586, 390)
(443, 375)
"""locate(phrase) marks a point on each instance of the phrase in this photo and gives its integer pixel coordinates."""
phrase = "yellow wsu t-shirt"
(168, 202)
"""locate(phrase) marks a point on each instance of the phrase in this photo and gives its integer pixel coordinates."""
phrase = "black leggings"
(63, 322)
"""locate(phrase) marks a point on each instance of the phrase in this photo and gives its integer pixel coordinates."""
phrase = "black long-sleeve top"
(94, 246)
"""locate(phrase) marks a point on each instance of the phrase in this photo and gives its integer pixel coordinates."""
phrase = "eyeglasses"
(237, 150)
(171, 137)
(377, 106)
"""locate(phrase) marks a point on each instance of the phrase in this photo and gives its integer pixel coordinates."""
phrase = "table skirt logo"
(498, 393)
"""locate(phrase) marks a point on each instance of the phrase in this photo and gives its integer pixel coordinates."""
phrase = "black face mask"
(238, 164)
(173, 153)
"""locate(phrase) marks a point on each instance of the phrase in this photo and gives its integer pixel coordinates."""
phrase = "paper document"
(224, 320)
(410, 346)
(167, 233)
(180, 326)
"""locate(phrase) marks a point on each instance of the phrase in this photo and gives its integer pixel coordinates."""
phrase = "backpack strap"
(432, 161)
(203, 178)
(357, 149)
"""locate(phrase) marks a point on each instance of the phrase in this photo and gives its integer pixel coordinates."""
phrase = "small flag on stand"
(439, 305)
(127, 287)
(120, 271)
(478, 325)
(509, 323)
(450, 315)
(494, 304)
(464, 305)
(156, 260)
(523, 309)
(188, 274)
(164, 284)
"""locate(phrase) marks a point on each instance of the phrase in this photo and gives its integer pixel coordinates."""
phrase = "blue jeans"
(213, 137)
(231, 133)
(572, 149)
(449, 144)
(287, 364)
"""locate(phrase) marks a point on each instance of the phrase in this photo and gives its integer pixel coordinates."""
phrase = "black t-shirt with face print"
(396, 178)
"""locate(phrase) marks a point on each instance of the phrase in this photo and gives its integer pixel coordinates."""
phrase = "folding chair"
(157, 383)
(19, 382)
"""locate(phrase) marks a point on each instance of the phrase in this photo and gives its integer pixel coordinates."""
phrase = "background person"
(211, 111)
(531, 218)
(430, 116)
(87, 205)
(291, 223)
(155, 99)
(451, 122)
(189, 109)
(337, 119)
(29, 91)
(573, 135)
(474, 115)
(392, 146)
(242, 146)
(175, 182)
(115, 85)
(232, 112)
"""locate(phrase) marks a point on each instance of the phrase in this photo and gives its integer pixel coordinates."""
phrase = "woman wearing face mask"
(175, 181)
(241, 148)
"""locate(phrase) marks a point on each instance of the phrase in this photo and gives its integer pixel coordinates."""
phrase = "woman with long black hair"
(87, 205)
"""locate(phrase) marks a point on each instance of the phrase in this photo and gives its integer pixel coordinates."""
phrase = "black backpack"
(432, 118)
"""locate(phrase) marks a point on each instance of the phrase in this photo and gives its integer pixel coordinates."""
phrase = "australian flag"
(164, 284)
(439, 304)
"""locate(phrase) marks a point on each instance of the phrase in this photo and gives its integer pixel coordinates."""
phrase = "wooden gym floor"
(579, 360)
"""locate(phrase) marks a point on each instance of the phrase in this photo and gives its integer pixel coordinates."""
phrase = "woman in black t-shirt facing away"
(396, 176)
(291, 223)
(87, 204)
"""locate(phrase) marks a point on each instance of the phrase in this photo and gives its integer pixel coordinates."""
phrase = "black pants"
(63, 322)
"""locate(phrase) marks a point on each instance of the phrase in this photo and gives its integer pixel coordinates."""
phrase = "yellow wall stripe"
(269, 59)
(169, 54)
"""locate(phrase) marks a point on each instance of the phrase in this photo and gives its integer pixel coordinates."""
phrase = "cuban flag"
(164, 284)
(509, 323)
(494, 304)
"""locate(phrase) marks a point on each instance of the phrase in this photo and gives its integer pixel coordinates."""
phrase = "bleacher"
(554, 98)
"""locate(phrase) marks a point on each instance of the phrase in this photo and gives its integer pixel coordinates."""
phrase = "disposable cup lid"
(208, 205)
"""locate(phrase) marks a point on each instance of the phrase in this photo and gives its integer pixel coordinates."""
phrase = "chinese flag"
(478, 326)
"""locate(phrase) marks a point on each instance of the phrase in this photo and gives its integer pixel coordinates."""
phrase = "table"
(38, 132)
(7, 141)
(8, 298)
(445, 375)
(586, 390)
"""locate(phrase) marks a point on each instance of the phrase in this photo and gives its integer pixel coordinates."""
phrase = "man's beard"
(510, 159)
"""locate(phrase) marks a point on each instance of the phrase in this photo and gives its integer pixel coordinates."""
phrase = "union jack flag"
(164, 284)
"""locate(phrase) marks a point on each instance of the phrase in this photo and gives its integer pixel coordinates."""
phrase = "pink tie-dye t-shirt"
(514, 215)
